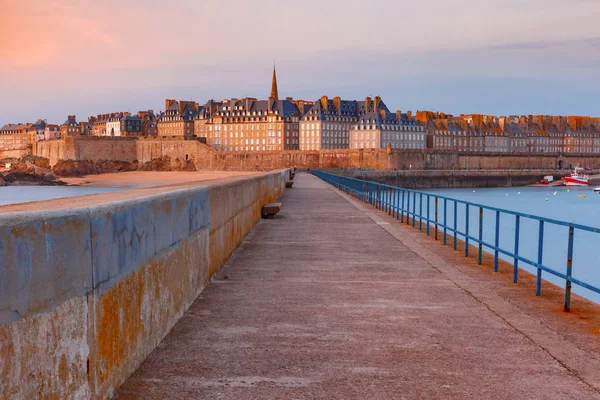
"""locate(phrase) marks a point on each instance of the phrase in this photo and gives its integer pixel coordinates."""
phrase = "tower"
(274, 93)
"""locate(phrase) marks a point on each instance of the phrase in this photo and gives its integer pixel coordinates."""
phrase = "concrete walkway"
(323, 302)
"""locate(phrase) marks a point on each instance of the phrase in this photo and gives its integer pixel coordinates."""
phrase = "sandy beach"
(142, 179)
(140, 183)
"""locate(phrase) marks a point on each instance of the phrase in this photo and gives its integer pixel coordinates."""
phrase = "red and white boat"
(577, 178)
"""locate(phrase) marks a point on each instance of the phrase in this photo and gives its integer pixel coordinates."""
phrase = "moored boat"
(577, 178)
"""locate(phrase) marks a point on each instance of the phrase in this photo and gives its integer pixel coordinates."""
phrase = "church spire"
(274, 93)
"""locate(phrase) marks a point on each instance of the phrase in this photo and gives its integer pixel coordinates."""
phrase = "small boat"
(577, 178)
(597, 190)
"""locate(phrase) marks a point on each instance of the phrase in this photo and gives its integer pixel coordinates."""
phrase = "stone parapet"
(86, 294)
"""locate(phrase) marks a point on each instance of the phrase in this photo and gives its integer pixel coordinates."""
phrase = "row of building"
(249, 124)
(513, 134)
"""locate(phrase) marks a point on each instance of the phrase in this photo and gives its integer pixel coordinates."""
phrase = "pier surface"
(334, 299)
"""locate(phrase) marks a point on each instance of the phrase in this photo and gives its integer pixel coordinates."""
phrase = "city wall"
(204, 157)
(86, 294)
(17, 153)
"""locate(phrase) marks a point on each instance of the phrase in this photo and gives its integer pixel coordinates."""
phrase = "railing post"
(420, 211)
(435, 235)
(402, 211)
(414, 207)
(455, 223)
(569, 269)
(390, 202)
(538, 281)
(428, 196)
(497, 241)
(445, 220)
(407, 207)
(480, 254)
(467, 230)
(377, 201)
(516, 261)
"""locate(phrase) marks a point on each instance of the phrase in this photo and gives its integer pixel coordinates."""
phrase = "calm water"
(563, 204)
(24, 194)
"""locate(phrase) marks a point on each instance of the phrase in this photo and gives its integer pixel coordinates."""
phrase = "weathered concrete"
(87, 293)
(335, 300)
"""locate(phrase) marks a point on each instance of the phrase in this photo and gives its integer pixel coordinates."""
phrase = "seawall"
(428, 179)
(204, 157)
(86, 294)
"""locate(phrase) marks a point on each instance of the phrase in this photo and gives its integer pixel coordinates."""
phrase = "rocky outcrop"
(165, 163)
(26, 173)
(69, 168)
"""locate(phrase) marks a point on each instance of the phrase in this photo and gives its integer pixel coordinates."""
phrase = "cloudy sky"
(86, 57)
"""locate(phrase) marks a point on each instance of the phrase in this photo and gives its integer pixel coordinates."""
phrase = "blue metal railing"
(398, 202)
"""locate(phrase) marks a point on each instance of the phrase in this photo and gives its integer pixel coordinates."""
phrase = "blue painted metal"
(466, 230)
(516, 262)
(480, 253)
(497, 241)
(402, 215)
(436, 218)
(455, 225)
(420, 211)
(414, 208)
(445, 220)
(372, 193)
(538, 281)
(569, 270)
(428, 206)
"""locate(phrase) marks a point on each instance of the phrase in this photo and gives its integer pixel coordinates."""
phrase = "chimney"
(382, 113)
(502, 122)
(377, 102)
(168, 103)
(337, 102)
(572, 122)
(324, 102)
(409, 115)
(399, 116)
(367, 104)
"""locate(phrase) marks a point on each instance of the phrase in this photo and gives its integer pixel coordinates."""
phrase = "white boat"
(597, 190)
(577, 178)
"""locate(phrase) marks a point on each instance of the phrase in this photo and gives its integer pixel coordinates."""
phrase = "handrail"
(398, 202)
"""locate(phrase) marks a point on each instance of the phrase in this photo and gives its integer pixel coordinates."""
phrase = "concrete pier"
(335, 300)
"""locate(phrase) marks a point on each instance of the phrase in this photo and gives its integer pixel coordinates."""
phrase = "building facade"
(327, 124)
(385, 130)
(178, 118)
(123, 124)
(70, 127)
(249, 124)
(15, 137)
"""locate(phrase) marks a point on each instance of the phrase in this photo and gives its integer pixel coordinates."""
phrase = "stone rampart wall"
(204, 157)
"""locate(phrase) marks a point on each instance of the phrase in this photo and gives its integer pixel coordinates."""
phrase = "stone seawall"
(429, 179)
(204, 157)
(86, 294)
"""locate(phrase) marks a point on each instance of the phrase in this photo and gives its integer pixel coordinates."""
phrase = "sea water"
(579, 205)
(24, 194)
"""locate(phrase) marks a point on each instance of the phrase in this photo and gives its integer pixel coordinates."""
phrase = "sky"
(498, 57)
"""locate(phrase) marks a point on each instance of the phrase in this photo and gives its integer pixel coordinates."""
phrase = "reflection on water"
(24, 194)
